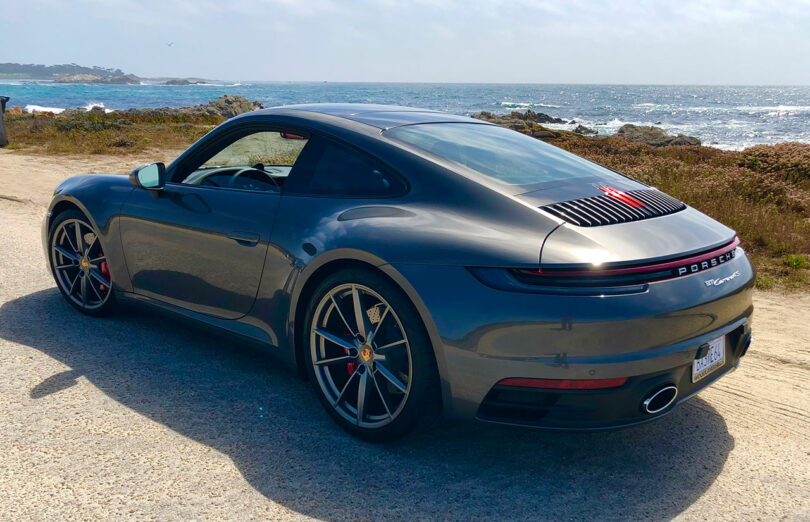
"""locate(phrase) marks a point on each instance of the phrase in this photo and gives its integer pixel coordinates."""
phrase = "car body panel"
(450, 219)
(184, 247)
(675, 235)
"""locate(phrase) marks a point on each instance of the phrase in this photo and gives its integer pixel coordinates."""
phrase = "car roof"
(380, 116)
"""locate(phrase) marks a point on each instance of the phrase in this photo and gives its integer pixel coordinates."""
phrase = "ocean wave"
(40, 108)
(56, 110)
(527, 105)
(774, 108)
(92, 105)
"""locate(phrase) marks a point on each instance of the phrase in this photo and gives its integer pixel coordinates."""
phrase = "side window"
(340, 171)
(259, 162)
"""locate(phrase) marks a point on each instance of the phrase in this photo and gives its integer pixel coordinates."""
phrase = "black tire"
(96, 305)
(422, 403)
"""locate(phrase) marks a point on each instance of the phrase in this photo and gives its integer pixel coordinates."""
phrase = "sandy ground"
(134, 417)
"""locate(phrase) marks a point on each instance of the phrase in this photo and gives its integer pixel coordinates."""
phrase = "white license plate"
(713, 360)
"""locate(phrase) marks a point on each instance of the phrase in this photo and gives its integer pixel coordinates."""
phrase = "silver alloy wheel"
(361, 355)
(79, 264)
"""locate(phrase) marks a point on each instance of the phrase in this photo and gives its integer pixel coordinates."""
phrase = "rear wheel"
(79, 265)
(369, 357)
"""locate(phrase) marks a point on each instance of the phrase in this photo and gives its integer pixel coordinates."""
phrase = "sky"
(726, 42)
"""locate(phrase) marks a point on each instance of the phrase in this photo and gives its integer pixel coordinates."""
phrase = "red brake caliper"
(105, 270)
(351, 366)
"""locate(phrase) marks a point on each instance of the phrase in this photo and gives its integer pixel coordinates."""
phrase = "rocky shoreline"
(531, 123)
(528, 122)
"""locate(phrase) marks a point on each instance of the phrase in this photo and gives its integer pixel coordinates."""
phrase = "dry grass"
(762, 192)
(95, 132)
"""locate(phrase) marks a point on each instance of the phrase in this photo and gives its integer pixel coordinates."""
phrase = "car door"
(201, 243)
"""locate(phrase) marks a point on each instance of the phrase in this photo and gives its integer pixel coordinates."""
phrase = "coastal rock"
(226, 106)
(122, 79)
(655, 136)
(544, 133)
(177, 81)
(184, 81)
(585, 131)
(518, 120)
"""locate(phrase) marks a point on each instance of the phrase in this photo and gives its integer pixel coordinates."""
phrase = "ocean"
(726, 117)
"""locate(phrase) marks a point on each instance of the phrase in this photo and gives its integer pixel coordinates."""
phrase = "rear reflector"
(563, 384)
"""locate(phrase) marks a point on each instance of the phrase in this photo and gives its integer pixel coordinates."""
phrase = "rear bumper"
(609, 408)
(651, 337)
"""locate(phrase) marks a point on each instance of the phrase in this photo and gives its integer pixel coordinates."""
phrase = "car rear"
(637, 301)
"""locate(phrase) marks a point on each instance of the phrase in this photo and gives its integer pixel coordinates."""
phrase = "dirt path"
(133, 418)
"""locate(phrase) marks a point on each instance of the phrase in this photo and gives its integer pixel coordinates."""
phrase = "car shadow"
(243, 404)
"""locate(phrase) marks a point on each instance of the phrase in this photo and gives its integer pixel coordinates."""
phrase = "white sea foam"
(92, 105)
(57, 110)
(40, 108)
(526, 105)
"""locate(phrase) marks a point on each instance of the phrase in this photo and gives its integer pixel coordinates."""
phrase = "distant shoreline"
(725, 118)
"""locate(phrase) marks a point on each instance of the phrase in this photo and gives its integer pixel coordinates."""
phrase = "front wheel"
(79, 265)
(369, 357)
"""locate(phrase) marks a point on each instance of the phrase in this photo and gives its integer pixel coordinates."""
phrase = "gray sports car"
(411, 263)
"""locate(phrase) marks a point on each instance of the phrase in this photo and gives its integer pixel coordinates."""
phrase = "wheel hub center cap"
(366, 354)
(85, 264)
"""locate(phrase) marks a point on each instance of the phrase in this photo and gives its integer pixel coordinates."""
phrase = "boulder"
(544, 133)
(537, 117)
(177, 81)
(226, 106)
(655, 136)
(585, 131)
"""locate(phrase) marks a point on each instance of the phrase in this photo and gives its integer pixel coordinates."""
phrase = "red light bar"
(563, 384)
(645, 268)
(624, 197)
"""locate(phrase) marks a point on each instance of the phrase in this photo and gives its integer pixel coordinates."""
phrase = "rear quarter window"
(499, 153)
(335, 170)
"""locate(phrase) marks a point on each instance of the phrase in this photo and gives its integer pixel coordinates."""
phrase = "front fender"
(99, 197)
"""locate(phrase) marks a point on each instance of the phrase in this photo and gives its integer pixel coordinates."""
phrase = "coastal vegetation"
(762, 192)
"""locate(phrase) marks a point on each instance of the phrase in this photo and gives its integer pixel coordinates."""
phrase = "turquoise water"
(725, 117)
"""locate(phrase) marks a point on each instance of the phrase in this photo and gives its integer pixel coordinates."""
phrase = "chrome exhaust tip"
(660, 399)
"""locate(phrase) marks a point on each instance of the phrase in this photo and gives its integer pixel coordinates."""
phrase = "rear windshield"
(505, 155)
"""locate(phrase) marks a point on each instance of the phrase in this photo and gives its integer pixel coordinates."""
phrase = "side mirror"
(149, 177)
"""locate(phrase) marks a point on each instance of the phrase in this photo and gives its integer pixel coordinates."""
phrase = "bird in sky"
(169, 44)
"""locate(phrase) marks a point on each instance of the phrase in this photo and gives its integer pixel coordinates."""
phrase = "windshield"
(505, 155)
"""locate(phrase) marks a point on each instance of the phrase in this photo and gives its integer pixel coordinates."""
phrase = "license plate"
(713, 360)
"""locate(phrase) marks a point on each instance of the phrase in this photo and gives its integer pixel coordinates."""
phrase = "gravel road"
(138, 417)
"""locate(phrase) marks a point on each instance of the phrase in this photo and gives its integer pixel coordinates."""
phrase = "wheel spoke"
(335, 360)
(100, 278)
(385, 372)
(361, 397)
(389, 345)
(69, 240)
(335, 339)
(340, 313)
(380, 393)
(83, 290)
(79, 242)
(96, 260)
(95, 240)
(73, 284)
(95, 291)
(379, 324)
(345, 387)
(358, 312)
(70, 255)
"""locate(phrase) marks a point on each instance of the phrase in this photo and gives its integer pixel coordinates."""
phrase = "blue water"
(725, 117)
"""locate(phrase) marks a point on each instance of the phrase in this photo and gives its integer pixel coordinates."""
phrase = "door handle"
(244, 238)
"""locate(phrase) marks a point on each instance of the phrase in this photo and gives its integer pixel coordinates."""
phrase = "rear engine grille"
(609, 210)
